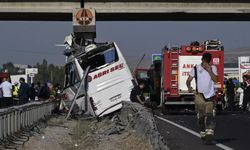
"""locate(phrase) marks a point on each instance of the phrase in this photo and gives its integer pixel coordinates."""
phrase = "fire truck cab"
(177, 63)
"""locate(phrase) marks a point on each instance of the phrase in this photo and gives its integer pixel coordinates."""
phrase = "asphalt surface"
(232, 131)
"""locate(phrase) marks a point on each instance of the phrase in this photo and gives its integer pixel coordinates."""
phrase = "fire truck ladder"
(174, 61)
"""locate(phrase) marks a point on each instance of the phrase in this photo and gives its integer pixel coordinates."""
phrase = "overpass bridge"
(128, 10)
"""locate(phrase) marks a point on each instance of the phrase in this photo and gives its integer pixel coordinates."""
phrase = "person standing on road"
(246, 87)
(15, 93)
(206, 76)
(23, 91)
(32, 92)
(6, 87)
(1, 98)
(240, 91)
(230, 94)
(15, 90)
(43, 94)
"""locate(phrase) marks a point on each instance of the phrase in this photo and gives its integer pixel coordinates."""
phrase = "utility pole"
(51, 76)
(82, 3)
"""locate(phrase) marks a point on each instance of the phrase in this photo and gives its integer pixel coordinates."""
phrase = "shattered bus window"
(105, 56)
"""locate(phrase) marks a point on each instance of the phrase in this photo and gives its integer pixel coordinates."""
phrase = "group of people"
(23, 93)
(237, 92)
(9, 93)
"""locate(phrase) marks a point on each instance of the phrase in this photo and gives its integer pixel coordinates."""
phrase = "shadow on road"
(226, 140)
(226, 112)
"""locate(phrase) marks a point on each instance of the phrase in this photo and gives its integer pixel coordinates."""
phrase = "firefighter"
(206, 76)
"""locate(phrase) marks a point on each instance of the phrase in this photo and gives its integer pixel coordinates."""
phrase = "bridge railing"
(18, 118)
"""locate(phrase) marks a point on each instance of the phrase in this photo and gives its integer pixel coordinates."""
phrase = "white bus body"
(109, 80)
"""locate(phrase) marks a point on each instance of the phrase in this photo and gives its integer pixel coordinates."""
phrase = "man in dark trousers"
(43, 93)
(206, 76)
(6, 88)
(230, 94)
(32, 92)
(246, 88)
(23, 91)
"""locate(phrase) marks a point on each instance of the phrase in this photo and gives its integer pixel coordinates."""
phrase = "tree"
(49, 73)
(11, 69)
(46, 72)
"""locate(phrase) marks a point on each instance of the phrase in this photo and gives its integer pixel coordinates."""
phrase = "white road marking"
(193, 132)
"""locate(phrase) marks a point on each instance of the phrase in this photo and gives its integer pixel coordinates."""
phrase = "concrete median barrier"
(141, 119)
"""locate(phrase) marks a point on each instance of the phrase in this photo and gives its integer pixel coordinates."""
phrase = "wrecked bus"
(98, 79)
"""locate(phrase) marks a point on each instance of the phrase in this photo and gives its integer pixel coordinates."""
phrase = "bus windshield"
(102, 57)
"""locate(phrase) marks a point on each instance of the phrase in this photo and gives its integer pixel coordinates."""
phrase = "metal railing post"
(8, 125)
(1, 127)
(4, 126)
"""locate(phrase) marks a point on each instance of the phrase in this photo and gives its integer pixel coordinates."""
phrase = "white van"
(107, 81)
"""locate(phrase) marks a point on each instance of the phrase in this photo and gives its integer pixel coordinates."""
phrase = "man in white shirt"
(7, 93)
(207, 76)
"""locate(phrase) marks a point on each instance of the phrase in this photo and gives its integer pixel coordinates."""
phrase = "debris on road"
(131, 128)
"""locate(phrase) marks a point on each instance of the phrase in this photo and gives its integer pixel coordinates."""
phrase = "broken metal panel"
(82, 84)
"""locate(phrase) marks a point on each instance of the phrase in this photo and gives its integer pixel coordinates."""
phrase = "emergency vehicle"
(177, 63)
(4, 75)
(141, 74)
(244, 66)
(152, 79)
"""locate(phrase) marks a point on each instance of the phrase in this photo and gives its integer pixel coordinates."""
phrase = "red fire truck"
(177, 63)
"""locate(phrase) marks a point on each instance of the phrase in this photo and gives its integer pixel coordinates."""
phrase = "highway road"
(180, 131)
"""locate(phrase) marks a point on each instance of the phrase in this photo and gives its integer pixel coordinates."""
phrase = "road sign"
(84, 16)
(31, 71)
(31, 75)
(156, 57)
(84, 23)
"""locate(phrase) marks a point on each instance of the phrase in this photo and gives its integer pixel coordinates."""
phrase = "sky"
(26, 42)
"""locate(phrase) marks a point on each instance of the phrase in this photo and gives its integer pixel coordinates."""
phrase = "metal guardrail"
(16, 119)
